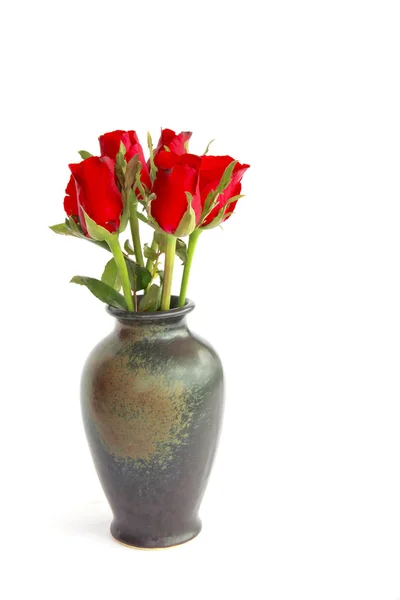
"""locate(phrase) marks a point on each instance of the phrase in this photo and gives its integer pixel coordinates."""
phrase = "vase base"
(161, 544)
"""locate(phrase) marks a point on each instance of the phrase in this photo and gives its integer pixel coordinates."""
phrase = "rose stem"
(193, 237)
(134, 223)
(122, 269)
(170, 247)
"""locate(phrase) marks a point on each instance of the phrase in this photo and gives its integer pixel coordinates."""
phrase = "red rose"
(176, 175)
(211, 171)
(174, 142)
(110, 144)
(96, 193)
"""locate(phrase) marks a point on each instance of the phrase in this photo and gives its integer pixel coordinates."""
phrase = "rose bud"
(177, 206)
(110, 145)
(211, 171)
(96, 193)
(174, 142)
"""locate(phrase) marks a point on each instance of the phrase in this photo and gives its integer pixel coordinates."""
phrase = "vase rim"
(159, 315)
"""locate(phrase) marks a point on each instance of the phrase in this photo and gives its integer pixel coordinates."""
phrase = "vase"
(152, 400)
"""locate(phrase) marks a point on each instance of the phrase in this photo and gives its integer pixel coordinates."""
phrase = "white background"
(300, 293)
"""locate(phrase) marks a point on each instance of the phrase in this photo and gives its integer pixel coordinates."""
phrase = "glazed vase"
(152, 400)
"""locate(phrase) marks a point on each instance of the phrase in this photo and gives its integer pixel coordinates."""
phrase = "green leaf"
(221, 214)
(181, 250)
(188, 222)
(130, 172)
(120, 165)
(149, 302)
(150, 253)
(69, 227)
(128, 248)
(128, 201)
(84, 154)
(122, 149)
(153, 168)
(138, 181)
(97, 232)
(160, 238)
(226, 177)
(102, 291)
(209, 204)
(139, 277)
(141, 217)
(74, 226)
(234, 199)
(61, 229)
(111, 275)
(208, 146)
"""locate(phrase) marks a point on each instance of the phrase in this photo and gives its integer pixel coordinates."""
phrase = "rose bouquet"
(176, 193)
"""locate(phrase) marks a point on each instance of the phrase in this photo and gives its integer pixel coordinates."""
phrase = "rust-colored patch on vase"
(139, 412)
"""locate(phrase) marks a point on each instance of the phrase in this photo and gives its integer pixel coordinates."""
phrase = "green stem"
(186, 271)
(168, 271)
(137, 246)
(122, 269)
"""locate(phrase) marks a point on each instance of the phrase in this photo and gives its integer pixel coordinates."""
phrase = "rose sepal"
(212, 198)
(188, 222)
(221, 215)
(97, 232)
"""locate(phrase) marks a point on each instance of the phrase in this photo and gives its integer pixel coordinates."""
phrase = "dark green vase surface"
(152, 400)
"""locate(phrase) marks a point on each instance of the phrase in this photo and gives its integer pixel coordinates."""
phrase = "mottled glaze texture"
(152, 399)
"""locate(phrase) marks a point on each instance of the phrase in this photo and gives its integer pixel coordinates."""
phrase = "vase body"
(152, 399)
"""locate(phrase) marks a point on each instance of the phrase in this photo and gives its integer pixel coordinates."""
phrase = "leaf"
(150, 253)
(234, 199)
(160, 238)
(69, 227)
(97, 232)
(226, 177)
(139, 277)
(122, 149)
(138, 181)
(141, 217)
(188, 222)
(74, 226)
(120, 165)
(128, 248)
(221, 213)
(102, 291)
(130, 172)
(149, 302)
(129, 202)
(61, 229)
(208, 146)
(153, 168)
(84, 154)
(111, 275)
(181, 250)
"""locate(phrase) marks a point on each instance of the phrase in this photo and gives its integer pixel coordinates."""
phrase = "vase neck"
(167, 320)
